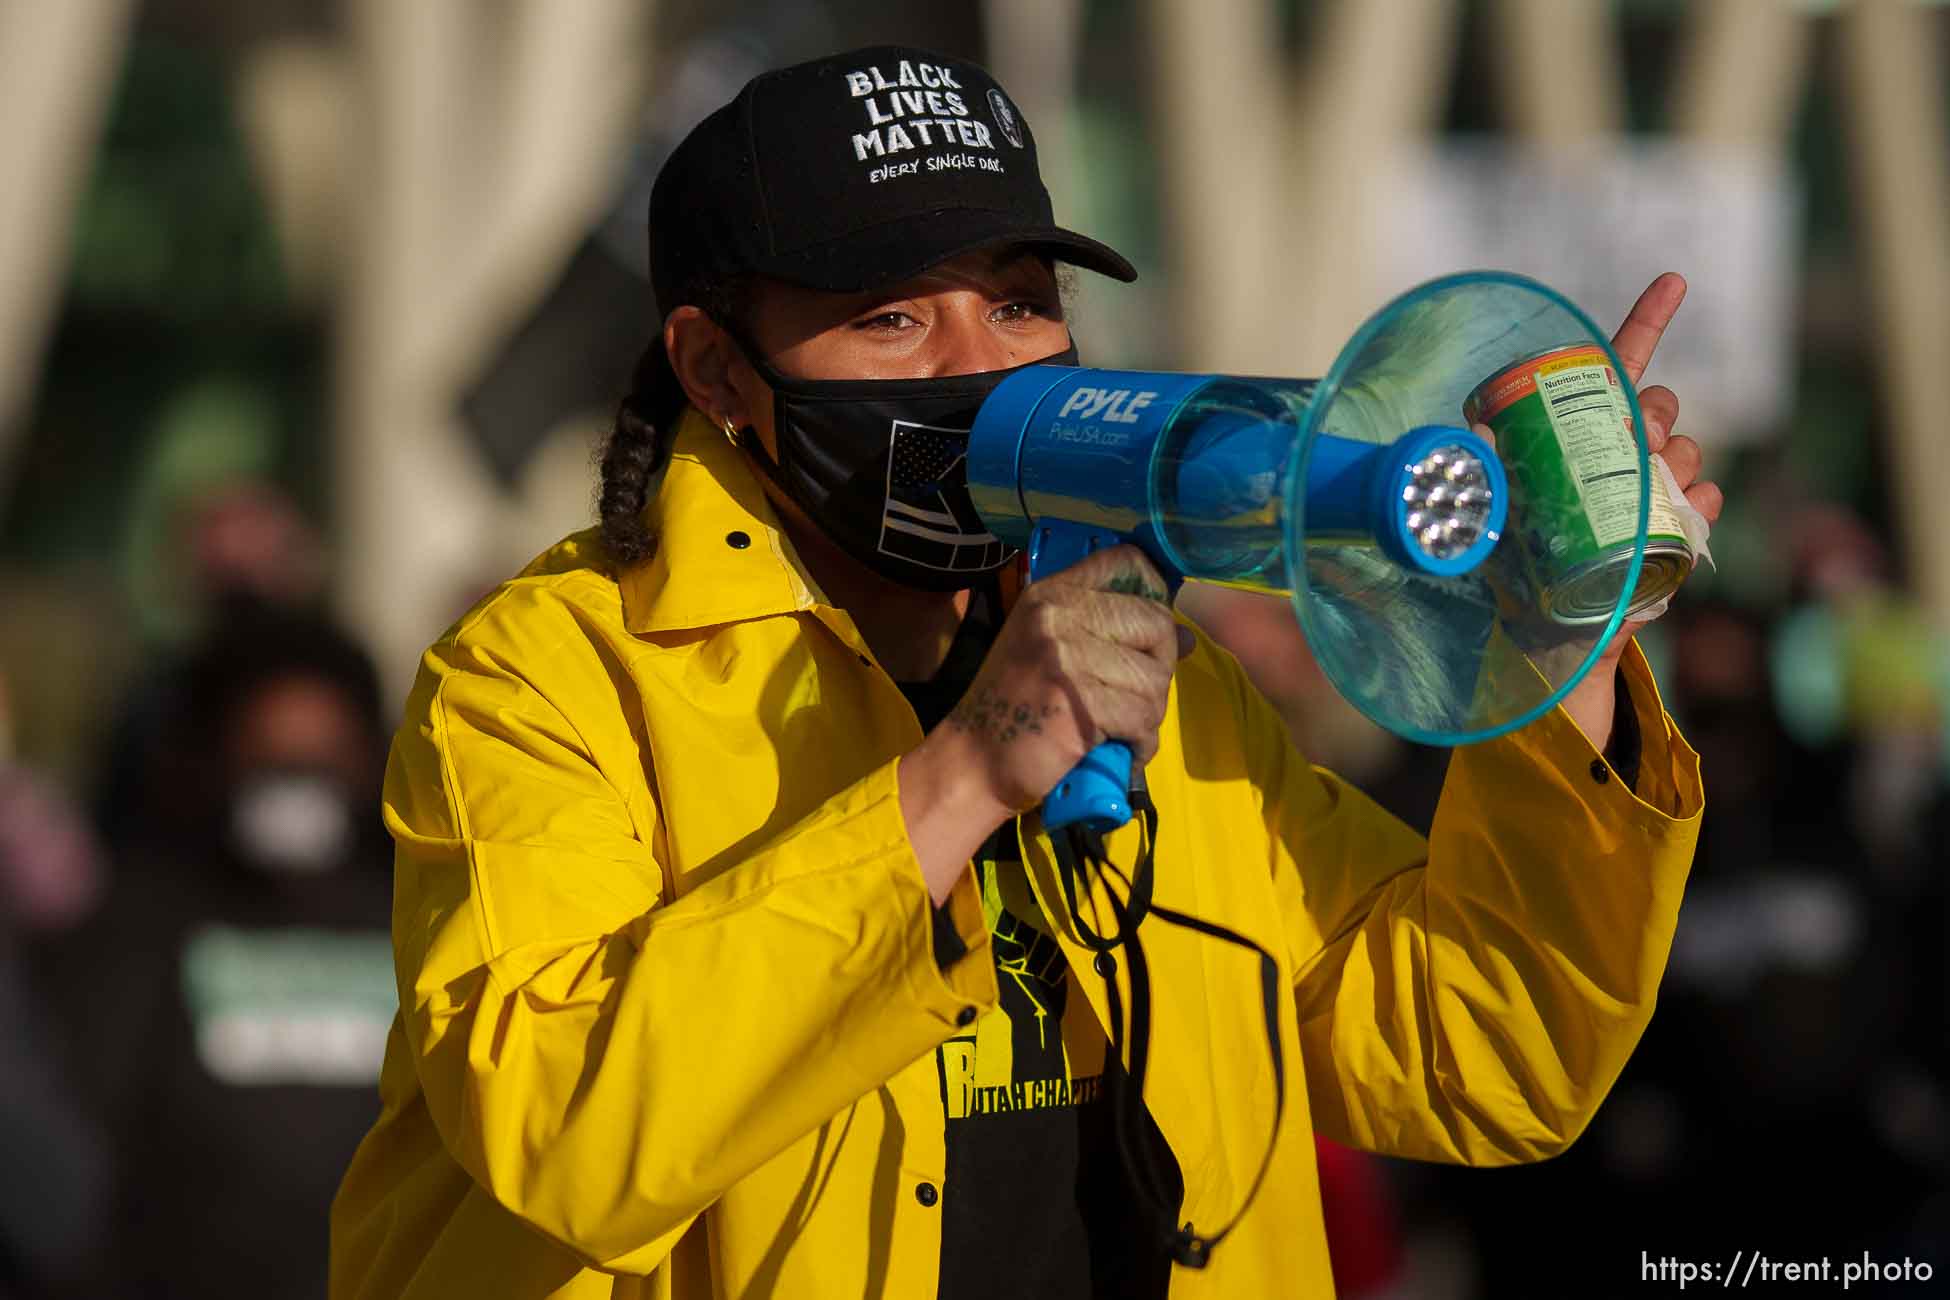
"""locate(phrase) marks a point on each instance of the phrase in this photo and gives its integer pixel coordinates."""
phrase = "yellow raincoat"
(669, 1004)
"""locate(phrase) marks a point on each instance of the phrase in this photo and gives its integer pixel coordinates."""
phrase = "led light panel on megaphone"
(1456, 567)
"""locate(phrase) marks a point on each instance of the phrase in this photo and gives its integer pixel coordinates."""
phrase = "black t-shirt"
(1036, 1202)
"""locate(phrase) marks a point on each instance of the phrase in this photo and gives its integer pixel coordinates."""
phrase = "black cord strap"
(1076, 851)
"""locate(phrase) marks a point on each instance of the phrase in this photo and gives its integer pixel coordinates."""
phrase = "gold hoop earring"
(731, 434)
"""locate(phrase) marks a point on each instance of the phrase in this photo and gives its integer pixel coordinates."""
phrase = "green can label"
(1563, 427)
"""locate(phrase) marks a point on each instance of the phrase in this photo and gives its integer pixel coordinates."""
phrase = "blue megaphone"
(1377, 499)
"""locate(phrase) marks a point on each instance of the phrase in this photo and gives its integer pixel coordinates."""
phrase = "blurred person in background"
(1864, 673)
(233, 541)
(226, 1010)
(1790, 1091)
(1773, 797)
(54, 1166)
(248, 536)
(725, 968)
(52, 873)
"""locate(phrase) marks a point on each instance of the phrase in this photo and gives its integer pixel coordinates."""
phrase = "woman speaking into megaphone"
(733, 958)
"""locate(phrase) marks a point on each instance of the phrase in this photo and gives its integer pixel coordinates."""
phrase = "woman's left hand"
(1637, 339)
(1590, 703)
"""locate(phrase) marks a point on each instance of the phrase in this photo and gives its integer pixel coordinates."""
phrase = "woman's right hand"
(1086, 655)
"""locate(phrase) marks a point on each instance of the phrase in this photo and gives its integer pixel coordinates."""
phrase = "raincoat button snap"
(1599, 772)
(737, 541)
(925, 1194)
(1105, 965)
(966, 1016)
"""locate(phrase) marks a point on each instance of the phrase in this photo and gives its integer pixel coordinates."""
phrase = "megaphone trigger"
(1056, 544)
(1096, 793)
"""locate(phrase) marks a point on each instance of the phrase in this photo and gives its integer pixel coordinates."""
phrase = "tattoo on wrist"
(1130, 584)
(988, 716)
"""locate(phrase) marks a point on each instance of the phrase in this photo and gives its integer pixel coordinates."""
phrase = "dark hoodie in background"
(225, 1013)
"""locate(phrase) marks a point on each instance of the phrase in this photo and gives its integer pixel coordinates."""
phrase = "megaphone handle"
(1096, 793)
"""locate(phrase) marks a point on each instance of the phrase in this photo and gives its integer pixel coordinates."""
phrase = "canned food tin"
(1563, 429)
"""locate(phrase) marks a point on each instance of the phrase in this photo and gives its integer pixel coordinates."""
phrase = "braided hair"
(637, 449)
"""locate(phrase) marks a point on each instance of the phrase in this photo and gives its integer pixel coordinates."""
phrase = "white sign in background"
(1598, 227)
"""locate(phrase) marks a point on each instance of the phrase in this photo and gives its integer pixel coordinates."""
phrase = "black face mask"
(881, 466)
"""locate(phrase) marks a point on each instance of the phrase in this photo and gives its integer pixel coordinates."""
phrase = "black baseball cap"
(853, 171)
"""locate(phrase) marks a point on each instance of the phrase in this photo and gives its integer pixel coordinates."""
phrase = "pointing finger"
(1638, 338)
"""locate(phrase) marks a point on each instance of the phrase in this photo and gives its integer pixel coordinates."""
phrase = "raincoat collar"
(721, 556)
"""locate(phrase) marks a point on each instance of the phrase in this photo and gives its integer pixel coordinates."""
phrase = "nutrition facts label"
(1592, 421)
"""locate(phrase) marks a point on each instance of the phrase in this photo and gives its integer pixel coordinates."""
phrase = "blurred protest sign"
(1598, 223)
